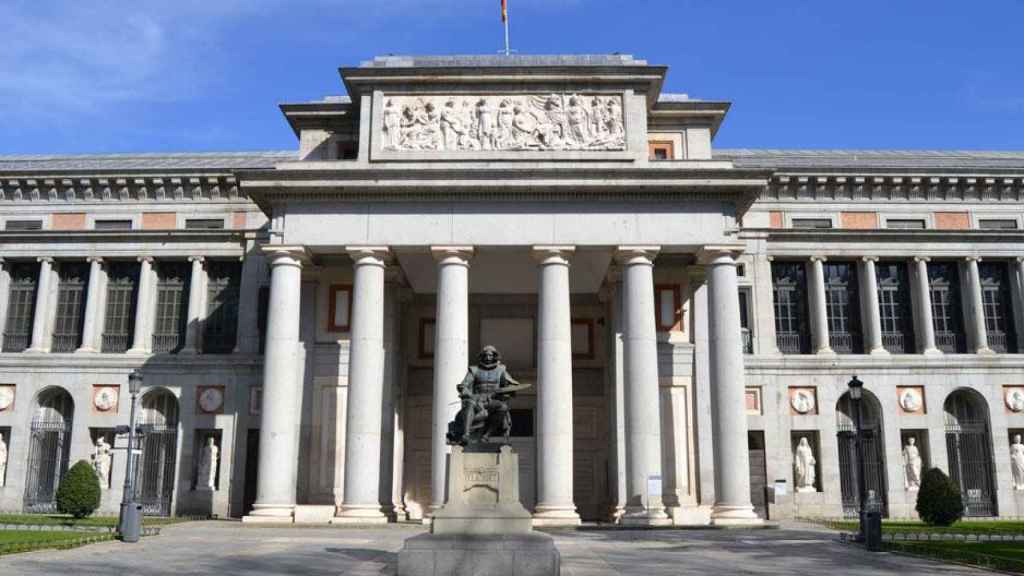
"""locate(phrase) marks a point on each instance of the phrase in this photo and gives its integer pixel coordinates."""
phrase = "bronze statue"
(485, 392)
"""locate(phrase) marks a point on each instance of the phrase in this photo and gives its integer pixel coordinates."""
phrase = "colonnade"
(278, 458)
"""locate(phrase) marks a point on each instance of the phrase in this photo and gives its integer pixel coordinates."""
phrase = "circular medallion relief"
(211, 400)
(1015, 399)
(802, 401)
(104, 398)
(6, 397)
(910, 400)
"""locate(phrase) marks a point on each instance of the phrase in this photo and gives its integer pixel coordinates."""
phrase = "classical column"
(979, 333)
(555, 504)
(728, 403)
(5, 295)
(196, 305)
(282, 390)
(819, 311)
(40, 322)
(451, 355)
(643, 404)
(924, 322)
(92, 322)
(617, 404)
(142, 339)
(872, 311)
(365, 390)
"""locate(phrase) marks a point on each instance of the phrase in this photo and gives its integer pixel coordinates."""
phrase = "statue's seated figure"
(485, 392)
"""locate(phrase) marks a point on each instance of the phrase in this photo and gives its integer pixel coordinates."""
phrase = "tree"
(939, 502)
(79, 491)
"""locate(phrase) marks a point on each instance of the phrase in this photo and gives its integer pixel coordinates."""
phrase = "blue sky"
(100, 76)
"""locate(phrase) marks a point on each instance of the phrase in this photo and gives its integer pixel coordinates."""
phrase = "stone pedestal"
(482, 528)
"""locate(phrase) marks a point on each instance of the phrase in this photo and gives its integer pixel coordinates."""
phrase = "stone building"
(688, 314)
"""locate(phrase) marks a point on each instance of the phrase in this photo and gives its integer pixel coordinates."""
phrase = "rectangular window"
(67, 329)
(997, 224)
(171, 306)
(112, 225)
(669, 305)
(339, 308)
(812, 223)
(842, 308)
(789, 287)
(894, 307)
(119, 320)
(996, 302)
(22, 225)
(661, 150)
(204, 224)
(221, 325)
(745, 332)
(905, 224)
(21, 306)
(947, 316)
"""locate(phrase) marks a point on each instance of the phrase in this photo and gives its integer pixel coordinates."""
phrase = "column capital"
(553, 254)
(200, 259)
(369, 255)
(96, 259)
(452, 254)
(718, 253)
(636, 254)
(47, 259)
(925, 259)
(973, 258)
(817, 258)
(280, 254)
(869, 258)
(145, 259)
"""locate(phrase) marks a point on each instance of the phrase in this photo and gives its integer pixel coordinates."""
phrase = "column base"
(137, 351)
(360, 514)
(556, 516)
(933, 352)
(270, 514)
(986, 351)
(880, 351)
(825, 352)
(86, 350)
(722, 515)
(639, 516)
(35, 351)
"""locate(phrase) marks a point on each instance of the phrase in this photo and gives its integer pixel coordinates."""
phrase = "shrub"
(79, 491)
(938, 501)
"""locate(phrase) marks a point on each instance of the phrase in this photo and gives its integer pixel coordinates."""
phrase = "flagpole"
(508, 49)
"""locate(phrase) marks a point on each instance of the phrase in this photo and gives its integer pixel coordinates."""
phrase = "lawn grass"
(13, 541)
(962, 527)
(1007, 556)
(91, 522)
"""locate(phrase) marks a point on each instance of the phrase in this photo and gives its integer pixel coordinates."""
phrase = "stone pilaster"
(365, 389)
(93, 321)
(643, 404)
(924, 322)
(868, 280)
(616, 396)
(5, 296)
(282, 390)
(555, 504)
(451, 354)
(196, 305)
(142, 339)
(41, 320)
(819, 310)
(729, 417)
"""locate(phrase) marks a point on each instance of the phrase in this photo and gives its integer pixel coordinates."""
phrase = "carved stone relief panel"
(513, 122)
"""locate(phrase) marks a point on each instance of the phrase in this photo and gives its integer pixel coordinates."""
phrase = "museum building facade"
(689, 316)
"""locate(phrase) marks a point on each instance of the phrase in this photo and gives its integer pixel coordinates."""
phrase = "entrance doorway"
(874, 456)
(50, 446)
(159, 439)
(969, 447)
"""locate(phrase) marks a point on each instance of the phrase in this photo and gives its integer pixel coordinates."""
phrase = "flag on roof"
(504, 10)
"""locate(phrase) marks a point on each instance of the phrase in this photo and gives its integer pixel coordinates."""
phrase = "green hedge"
(79, 491)
(939, 502)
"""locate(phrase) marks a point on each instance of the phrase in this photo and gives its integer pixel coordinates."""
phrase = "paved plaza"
(213, 548)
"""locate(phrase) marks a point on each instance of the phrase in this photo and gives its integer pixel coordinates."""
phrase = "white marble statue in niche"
(1017, 462)
(912, 464)
(101, 457)
(803, 466)
(206, 479)
(3, 459)
(513, 122)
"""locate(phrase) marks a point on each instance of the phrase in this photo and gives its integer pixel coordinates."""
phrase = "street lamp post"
(856, 393)
(130, 525)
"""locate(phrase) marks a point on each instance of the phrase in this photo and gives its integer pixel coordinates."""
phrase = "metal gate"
(874, 465)
(47, 464)
(156, 470)
(970, 455)
(758, 472)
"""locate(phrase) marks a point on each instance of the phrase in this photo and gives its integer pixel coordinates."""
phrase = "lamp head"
(856, 388)
(134, 382)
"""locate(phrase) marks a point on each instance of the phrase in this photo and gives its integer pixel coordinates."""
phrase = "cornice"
(119, 188)
(945, 187)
